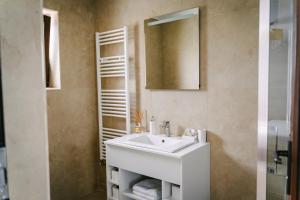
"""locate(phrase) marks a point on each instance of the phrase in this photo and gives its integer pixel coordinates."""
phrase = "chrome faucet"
(165, 127)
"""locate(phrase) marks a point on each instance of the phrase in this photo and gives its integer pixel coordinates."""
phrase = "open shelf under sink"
(182, 172)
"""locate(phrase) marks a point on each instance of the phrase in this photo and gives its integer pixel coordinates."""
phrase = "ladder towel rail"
(112, 102)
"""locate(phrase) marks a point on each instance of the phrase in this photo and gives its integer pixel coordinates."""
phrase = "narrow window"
(51, 49)
(47, 27)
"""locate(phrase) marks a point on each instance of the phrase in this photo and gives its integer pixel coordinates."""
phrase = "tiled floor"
(95, 196)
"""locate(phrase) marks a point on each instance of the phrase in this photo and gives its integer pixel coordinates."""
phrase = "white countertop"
(120, 142)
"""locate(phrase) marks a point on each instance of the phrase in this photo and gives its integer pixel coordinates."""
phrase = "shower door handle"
(278, 154)
(277, 159)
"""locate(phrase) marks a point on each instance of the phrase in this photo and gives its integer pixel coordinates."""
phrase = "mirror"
(172, 51)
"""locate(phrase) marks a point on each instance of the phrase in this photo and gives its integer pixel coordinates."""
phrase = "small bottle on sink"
(152, 126)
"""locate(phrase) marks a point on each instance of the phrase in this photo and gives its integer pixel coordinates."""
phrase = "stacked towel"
(148, 189)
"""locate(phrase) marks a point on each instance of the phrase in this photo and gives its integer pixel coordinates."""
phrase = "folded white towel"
(149, 187)
(145, 197)
(156, 195)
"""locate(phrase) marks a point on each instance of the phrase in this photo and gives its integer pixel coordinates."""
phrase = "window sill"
(52, 89)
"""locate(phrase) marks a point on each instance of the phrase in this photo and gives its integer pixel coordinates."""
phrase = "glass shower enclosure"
(281, 55)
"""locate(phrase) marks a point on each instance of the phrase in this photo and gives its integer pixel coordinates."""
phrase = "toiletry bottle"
(152, 126)
(202, 135)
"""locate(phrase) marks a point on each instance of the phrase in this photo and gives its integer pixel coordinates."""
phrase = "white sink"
(159, 142)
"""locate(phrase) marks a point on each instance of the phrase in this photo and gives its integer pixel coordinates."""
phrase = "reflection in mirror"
(172, 51)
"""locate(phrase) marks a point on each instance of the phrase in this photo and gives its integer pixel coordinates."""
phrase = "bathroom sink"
(159, 142)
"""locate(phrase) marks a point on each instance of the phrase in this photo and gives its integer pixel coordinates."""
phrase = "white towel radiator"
(112, 102)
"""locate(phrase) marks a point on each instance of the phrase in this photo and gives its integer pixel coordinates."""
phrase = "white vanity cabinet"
(188, 169)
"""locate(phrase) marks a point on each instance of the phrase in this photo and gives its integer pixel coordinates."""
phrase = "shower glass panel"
(281, 59)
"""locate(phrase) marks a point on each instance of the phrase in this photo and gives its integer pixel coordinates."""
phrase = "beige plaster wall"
(227, 102)
(24, 99)
(72, 111)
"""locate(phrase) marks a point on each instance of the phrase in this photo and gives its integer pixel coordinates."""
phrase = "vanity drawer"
(145, 163)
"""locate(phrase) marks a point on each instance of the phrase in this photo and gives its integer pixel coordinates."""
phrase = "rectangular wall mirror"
(173, 51)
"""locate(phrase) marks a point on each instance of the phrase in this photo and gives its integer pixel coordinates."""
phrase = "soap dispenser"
(152, 126)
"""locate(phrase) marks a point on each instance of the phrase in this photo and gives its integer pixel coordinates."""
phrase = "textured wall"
(24, 98)
(227, 102)
(72, 111)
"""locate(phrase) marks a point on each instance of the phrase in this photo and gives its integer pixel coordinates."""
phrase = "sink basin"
(159, 142)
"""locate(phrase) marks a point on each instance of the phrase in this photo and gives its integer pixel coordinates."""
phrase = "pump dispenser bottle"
(152, 126)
